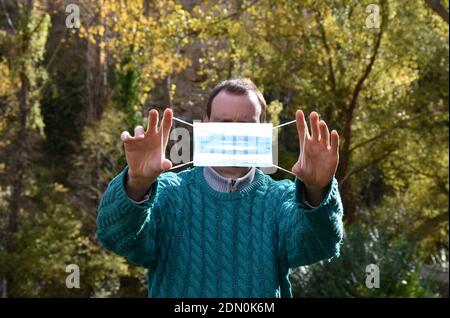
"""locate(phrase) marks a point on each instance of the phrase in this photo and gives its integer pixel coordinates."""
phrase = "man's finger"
(139, 132)
(324, 134)
(314, 123)
(166, 125)
(125, 136)
(152, 122)
(335, 142)
(302, 129)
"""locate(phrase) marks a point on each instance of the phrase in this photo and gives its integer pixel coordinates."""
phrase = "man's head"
(236, 100)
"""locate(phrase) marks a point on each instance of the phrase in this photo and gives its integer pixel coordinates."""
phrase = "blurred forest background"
(66, 94)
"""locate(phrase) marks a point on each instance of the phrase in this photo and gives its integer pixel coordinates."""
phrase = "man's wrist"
(138, 182)
(314, 195)
(145, 199)
(137, 187)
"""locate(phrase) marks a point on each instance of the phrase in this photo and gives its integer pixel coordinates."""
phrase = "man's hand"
(145, 153)
(319, 156)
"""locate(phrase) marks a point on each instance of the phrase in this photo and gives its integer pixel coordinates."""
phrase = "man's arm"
(123, 225)
(308, 235)
(127, 228)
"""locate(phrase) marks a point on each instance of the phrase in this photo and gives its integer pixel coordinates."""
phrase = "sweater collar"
(198, 178)
(223, 184)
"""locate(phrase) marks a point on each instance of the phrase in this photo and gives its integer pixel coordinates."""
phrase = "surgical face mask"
(233, 144)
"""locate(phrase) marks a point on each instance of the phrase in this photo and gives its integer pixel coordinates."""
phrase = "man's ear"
(205, 118)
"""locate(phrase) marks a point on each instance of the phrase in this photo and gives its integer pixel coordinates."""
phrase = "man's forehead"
(234, 106)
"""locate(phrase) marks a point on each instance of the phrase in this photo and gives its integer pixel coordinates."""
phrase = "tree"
(23, 59)
(324, 57)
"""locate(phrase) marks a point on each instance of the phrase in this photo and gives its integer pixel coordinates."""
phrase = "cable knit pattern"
(197, 242)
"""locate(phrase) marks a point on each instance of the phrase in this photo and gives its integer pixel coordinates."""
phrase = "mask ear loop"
(181, 165)
(182, 121)
(285, 170)
(302, 149)
(186, 163)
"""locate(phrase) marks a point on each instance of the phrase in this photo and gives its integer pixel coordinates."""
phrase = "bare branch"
(398, 125)
(438, 8)
(8, 18)
(368, 69)
(429, 226)
(242, 10)
(323, 37)
(231, 15)
(363, 167)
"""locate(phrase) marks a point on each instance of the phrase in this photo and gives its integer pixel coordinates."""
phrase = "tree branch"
(349, 109)
(221, 19)
(240, 11)
(441, 181)
(368, 69)
(438, 8)
(429, 226)
(360, 168)
(8, 18)
(400, 124)
(323, 37)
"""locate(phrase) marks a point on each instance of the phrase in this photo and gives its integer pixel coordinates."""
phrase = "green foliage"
(273, 112)
(52, 240)
(62, 109)
(28, 53)
(99, 158)
(126, 97)
(346, 276)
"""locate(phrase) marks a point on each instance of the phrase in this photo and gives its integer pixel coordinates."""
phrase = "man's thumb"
(166, 164)
(297, 169)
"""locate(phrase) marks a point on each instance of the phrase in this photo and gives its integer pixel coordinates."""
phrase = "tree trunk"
(18, 166)
(348, 114)
(348, 198)
(96, 75)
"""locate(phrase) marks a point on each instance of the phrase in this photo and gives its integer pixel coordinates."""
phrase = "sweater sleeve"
(309, 234)
(127, 228)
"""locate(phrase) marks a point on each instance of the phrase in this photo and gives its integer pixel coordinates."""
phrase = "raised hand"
(319, 155)
(145, 153)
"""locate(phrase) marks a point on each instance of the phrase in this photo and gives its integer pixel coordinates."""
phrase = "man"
(223, 231)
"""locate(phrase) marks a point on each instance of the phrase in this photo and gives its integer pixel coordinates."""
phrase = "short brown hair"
(238, 86)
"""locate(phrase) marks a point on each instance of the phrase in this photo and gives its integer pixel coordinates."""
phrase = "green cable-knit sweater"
(197, 242)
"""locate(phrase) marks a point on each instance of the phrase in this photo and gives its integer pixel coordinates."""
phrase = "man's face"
(227, 107)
